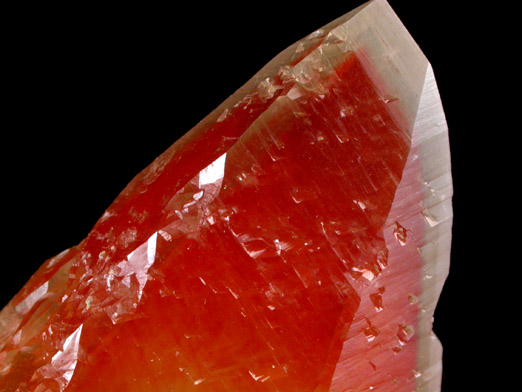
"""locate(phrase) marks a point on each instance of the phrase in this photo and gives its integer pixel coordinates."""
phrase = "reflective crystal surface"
(296, 239)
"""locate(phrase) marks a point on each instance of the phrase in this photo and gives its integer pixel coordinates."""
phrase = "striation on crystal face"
(296, 239)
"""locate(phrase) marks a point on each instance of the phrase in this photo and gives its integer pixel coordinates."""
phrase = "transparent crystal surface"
(296, 239)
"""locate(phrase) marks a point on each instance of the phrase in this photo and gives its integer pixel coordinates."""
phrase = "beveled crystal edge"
(430, 135)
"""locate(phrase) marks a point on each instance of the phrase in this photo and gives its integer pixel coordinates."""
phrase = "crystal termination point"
(296, 239)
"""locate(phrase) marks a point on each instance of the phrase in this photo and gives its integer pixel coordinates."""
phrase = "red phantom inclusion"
(256, 254)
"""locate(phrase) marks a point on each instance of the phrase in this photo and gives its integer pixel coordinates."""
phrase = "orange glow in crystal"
(256, 254)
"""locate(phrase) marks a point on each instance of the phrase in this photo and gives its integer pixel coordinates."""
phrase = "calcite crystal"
(296, 239)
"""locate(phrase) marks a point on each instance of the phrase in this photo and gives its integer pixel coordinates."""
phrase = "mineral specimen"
(296, 239)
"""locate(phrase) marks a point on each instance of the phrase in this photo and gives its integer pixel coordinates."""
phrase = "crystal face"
(296, 239)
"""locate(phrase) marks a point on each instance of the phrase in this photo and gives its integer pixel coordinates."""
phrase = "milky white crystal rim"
(430, 136)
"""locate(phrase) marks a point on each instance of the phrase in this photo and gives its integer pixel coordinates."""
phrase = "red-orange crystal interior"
(248, 257)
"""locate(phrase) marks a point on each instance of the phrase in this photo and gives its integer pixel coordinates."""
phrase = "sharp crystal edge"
(296, 239)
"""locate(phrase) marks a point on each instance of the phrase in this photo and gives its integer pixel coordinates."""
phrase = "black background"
(95, 94)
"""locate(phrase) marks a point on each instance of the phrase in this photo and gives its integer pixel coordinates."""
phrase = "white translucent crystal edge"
(378, 32)
(430, 139)
(271, 69)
